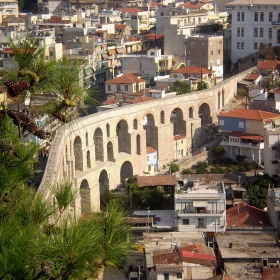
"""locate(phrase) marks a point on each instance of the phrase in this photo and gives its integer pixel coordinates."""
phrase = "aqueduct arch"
(98, 144)
(205, 114)
(78, 153)
(179, 125)
(85, 197)
(126, 172)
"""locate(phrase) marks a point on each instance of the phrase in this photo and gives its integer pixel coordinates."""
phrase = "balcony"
(275, 22)
(199, 228)
(200, 213)
(189, 195)
(251, 145)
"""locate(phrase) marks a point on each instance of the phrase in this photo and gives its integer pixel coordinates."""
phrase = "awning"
(236, 188)
(200, 203)
(112, 52)
(105, 56)
(121, 50)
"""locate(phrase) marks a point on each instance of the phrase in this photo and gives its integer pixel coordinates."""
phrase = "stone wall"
(83, 150)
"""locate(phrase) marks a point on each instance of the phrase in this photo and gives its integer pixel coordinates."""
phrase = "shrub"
(213, 170)
(241, 168)
(187, 171)
(201, 164)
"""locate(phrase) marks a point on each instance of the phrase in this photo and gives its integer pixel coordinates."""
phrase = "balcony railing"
(244, 144)
(198, 195)
(200, 212)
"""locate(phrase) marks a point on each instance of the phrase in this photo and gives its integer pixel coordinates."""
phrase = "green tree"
(202, 85)
(181, 87)
(219, 150)
(174, 167)
(257, 191)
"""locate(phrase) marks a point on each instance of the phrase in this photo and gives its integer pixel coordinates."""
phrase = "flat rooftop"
(247, 245)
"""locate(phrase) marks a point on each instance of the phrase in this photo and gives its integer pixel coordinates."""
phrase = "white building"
(272, 152)
(8, 8)
(201, 208)
(254, 22)
(152, 160)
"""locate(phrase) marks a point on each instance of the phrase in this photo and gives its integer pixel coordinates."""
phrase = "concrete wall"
(100, 150)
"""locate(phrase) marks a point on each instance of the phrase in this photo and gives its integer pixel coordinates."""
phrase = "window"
(155, 157)
(243, 16)
(211, 52)
(192, 43)
(202, 53)
(262, 16)
(118, 88)
(274, 162)
(238, 45)
(203, 43)
(256, 16)
(126, 87)
(261, 32)
(186, 221)
(109, 87)
(182, 141)
(274, 148)
(241, 124)
(211, 43)
(221, 122)
(238, 31)
(219, 51)
(247, 125)
(201, 223)
(162, 14)
(255, 46)
(256, 31)
(238, 16)
(242, 45)
(147, 158)
(218, 62)
(189, 52)
(242, 32)
(166, 276)
(179, 275)
(270, 16)
(270, 33)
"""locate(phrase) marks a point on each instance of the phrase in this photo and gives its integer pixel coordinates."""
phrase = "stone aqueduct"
(99, 151)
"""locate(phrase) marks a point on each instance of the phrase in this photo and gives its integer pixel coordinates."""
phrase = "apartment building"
(254, 23)
(273, 209)
(9, 7)
(205, 50)
(201, 208)
(244, 132)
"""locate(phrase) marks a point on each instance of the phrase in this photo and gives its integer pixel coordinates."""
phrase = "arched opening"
(138, 145)
(88, 160)
(110, 151)
(86, 139)
(108, 130)
(151, 131)
(162, 117)
(179, 125)
(124, 138)
(126, 172)
(204, 114)
(103, 186)
(135, 124)
(78, 153)
(85, 197)
(190, 113)
(223, 97)
(219, 100)
(98, 144)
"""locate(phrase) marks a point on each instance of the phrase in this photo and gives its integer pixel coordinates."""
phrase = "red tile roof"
(271, 274)
(245, 215)
(132, 39)
(202, 259)
(120, 26)
(154, 36)
(126, 79)
(191, 6)
(249, 114)
(252, 77)
(131, 10)
(158, 180)
(167, 258)
(244, 135)
(268, 64)
(150, 150)
(192, 70)
(140, 99)
(179, 137)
